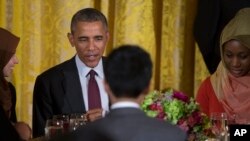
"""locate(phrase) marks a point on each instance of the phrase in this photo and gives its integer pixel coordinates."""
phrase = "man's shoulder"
(143, 128)
(161, 124)
(165, 130)
(55, 70)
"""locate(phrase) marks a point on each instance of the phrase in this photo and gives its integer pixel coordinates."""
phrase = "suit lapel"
(73, 90)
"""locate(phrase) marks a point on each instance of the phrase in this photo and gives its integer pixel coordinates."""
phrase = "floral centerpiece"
(177, 108)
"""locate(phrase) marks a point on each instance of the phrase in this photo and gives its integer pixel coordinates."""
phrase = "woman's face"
(8, 68)
(237, 58)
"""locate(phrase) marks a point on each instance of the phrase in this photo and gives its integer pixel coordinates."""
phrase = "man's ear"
(71, 39)
(108, 36)
(146, 90)
(143, 94)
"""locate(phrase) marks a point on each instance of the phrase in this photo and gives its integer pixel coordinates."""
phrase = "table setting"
(60, 124)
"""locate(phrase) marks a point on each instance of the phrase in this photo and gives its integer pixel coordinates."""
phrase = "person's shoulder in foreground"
(137, 127)
(128, 73)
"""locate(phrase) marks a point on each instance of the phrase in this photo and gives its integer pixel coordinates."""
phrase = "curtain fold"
(162, 27)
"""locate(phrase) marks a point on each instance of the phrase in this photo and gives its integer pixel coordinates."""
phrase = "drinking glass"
(220, 125)
(65, 119)
(77, 120)
(53, 127)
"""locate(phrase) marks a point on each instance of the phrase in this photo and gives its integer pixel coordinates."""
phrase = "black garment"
(7, 130)
(212, 16)
(13, 100)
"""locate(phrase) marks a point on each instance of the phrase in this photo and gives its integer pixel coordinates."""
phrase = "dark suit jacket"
(56, 91)
(127, 124)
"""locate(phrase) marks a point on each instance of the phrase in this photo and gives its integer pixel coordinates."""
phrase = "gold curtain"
(162, 27)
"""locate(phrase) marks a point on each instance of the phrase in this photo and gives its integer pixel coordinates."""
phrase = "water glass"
(53, 127)
(77, 120)
(220, 125)
(65, 119)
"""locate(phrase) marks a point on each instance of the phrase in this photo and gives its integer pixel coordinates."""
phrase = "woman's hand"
(23, 130)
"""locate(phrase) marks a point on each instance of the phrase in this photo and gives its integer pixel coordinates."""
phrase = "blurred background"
(162, 27)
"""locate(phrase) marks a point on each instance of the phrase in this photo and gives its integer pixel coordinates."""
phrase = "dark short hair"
(88, 15)
(128, 71)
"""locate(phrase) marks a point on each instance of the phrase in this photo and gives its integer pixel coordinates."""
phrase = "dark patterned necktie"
(94, 99)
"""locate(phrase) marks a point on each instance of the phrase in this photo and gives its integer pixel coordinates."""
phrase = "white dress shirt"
(125, 104)
(83, 71)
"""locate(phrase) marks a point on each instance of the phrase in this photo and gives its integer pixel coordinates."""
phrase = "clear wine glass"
(77, 120)
(82, 119)
(53, 127)
(220, 125)
(65, 119)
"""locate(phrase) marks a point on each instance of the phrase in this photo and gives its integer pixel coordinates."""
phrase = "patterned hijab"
(232, 92)
(8, 45)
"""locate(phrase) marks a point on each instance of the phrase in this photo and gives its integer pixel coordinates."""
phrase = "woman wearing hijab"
(10, 129)
(228, 89)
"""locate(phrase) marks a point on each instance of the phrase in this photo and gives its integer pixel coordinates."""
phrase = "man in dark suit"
(63, 89)
(127, 80)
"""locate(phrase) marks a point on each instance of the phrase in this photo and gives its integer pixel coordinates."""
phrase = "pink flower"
(181, 121)
(161, 115)
(181, 96)
(179, 109)
(191, 121)
(153, 106)
(197, 117)
(184, 126)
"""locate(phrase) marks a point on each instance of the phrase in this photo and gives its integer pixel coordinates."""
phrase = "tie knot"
(92, 73)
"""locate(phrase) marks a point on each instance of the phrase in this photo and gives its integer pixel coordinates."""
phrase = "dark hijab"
(8, 45)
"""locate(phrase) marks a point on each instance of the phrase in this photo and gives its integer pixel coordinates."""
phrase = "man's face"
(90, 40)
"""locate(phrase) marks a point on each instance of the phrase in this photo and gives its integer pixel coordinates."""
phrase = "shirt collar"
(125, 104)
(84, 70)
